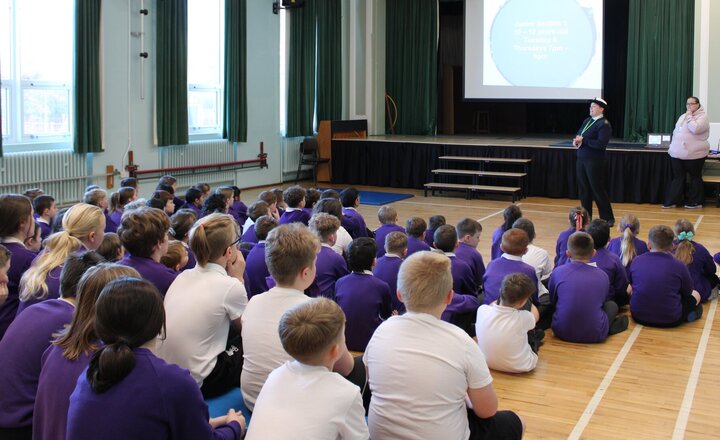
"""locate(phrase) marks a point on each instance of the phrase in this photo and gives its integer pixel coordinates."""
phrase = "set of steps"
(475, 187)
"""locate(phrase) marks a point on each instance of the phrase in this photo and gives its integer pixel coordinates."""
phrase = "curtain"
(411, 64)
(171, 73)
(301, 71)
(659, 65)
(87, 124)
(329, 62)
(235, 109)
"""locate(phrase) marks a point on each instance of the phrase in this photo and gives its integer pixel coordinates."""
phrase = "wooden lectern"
(329, 130)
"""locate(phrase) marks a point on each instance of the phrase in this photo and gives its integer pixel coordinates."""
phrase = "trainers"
(693, 206)
(669, 206)
(695, 314)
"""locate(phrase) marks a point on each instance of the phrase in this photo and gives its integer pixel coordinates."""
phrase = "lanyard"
(588, 125)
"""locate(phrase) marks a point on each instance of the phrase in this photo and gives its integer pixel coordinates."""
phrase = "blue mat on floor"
(625, 145)
(377, 198)
(219, 406)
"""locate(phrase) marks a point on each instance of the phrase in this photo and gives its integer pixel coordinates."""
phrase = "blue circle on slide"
(535, 46)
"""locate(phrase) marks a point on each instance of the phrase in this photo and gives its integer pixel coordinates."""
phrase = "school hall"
(167, 166)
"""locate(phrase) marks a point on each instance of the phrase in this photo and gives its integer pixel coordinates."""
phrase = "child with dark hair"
(255, 211)
(279, 196)
(129, 315)
(352, 220)
(163, 201)
(446, 240)
(204, 188)
(45, 210)
(388, 217)
(434, 222)
(505, 329)
(610, 263)
(312, 333)
(118, 200)
(271, 199)
(579, 292)
(510, 215)
(514, 245)
(578, 218)
(388, 266)
(364, 298)
(194, 200)
(180, 224)
(143, 233)
(70, 353)
(331, 266)
(295, 200)
(34, 241)
(111, 248)
(333, 207)
(696, 257)
(415, 229)
(215, 204)
(204, 306)
(129, 181)
(238, 209)
(17, 214)
(311, 198)
(256, 270)
(468, 232)
(169, 184)
(24, 343)
(662, 287)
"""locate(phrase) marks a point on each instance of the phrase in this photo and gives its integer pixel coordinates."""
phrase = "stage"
(636, 174)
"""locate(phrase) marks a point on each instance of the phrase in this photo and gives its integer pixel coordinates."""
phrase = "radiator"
(200, 153)
(61, 174)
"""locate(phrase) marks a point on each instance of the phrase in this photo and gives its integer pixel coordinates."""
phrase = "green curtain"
(329, 62)
(171, 73)
(235, 109)
(301, 70)
(87, 124)
(659, 65)
(411, 64)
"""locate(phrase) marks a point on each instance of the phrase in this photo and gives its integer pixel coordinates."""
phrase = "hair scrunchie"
(685, 236)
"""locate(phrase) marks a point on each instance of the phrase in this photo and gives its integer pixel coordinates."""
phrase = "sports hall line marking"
(697, 223)
(444, 205)
(494, 214)
(604, 385)
(686, 406)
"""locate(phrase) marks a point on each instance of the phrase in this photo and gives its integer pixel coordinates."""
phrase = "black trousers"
(591, 185)
(676, 194)
(226, 373)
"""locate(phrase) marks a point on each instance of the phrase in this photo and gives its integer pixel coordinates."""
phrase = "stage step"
(715, 180)
(470, 189)
(485, 159)
(480, 173)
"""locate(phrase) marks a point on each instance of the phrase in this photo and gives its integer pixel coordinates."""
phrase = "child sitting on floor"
(388, 217)
(388, 265)
(313, 334)
(578, 217)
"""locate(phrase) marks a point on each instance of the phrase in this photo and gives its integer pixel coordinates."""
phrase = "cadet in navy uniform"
(591, 141)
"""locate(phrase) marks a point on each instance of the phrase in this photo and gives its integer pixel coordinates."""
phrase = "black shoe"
(610, 222)
(670, 206)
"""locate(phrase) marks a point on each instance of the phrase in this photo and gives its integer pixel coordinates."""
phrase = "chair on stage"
(309, 156)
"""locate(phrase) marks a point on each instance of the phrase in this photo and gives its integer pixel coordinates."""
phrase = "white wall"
(128, 119)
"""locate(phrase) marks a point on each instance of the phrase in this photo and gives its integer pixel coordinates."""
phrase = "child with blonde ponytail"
(628, 246)
(204, 306)
(696, 257)
(83, 230)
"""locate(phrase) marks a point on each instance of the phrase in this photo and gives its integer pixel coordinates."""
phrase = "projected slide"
(533, 49)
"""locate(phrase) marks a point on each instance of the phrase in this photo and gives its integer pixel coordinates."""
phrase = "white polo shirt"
(342, 241)
(308, 402)
(539, 259)
(262, 349)
(199, 306)
(420, 369)
(502, 337)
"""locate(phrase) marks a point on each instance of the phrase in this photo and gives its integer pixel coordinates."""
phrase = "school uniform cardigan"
(20, 261)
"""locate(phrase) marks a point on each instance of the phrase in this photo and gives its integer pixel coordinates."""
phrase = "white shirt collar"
(289, 209)
(286, 291)
(595, 118)
(449, 254)
(327, 245)
(42, 220)
(392, 255)
(511, 257)
(350, 208)
(13, 240)
(213, 267)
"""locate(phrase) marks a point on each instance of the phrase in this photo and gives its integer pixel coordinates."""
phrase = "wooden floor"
(644, 383)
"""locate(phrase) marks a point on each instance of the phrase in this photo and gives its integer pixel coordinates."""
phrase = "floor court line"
(697, 223)
(686, 406)
(494, 214)
(604, 385)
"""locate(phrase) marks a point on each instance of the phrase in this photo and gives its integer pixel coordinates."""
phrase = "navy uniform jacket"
(595, 138)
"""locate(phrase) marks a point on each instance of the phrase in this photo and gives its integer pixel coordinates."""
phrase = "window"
(206, 48)
(36, 53)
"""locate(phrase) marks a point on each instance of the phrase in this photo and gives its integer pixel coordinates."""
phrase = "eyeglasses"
(236, 243)
(692, 103)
